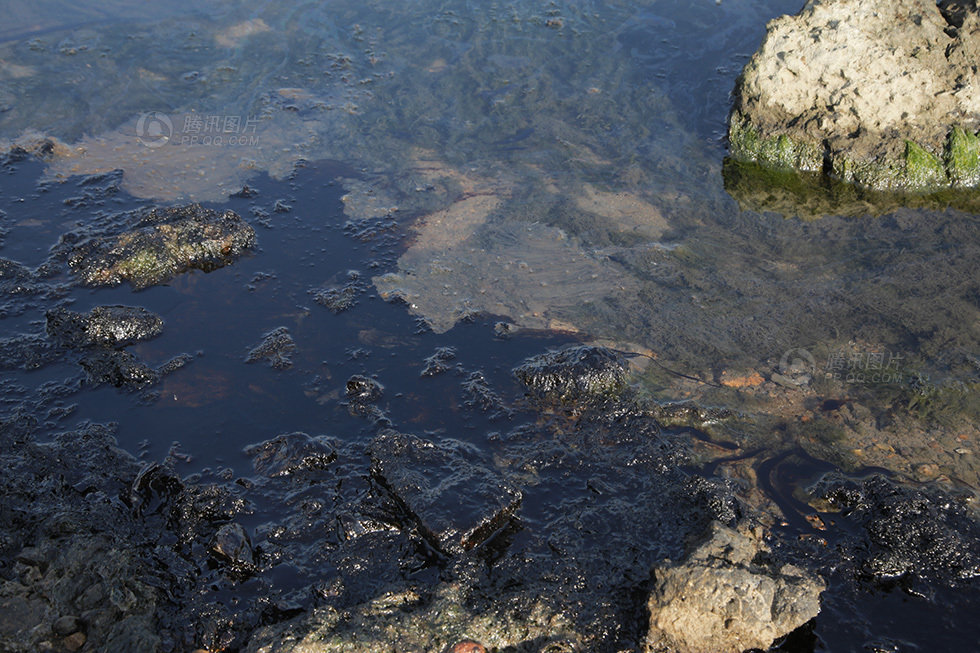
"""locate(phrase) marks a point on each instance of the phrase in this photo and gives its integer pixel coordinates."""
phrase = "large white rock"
(725, 599)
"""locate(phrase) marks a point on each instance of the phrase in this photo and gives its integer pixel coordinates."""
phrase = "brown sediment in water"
(188, 165)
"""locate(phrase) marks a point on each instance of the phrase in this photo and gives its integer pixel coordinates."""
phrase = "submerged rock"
(727, 598)
(884, 95)
(163, 243)
(456, 501)
(119, 368)
(342, 297)
(113, 326)
(275, 348)
(574, 373)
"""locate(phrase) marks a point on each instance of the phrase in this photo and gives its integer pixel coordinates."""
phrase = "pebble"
(66, 625)
(74, 641)
(468, 646)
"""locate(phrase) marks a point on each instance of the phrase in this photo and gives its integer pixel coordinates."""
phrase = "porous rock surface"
(883, 94)
(726, 597)
(163, 243)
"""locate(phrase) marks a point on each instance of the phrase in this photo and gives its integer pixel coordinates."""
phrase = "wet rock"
(274, 349)
(881, 95)
(406, 622)
(343, 297)
(231, 544)
(74, 642)
(453, 497)
(438, 362)
(163, 243)
(907, 533)
(66, 625)
(113, 326)
(118, 368)
(291, 453)
(726, 597)
(363, 390)
(154, 484)
(574, 373)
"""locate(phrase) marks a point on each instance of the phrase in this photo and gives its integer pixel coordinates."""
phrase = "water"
(554, 166)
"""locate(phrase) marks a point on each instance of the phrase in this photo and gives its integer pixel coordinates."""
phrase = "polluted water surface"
(362, 326)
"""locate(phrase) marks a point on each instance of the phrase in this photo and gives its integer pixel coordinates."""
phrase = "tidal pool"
(488, 180)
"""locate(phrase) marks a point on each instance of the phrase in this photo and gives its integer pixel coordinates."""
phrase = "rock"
(343, 297)
(163, 243)
(468, 646)
(363, 390)
(232, 545)
(905, 532)
(275, 348)
(291, 453)
(66, 625)
(74, 641)
(885, 95)
(454, 499)
(113, 326)
(574, 373)
(726, 598)
(440, 361)
(118, 368)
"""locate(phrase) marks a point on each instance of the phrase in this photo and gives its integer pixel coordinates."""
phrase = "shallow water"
(555, 166)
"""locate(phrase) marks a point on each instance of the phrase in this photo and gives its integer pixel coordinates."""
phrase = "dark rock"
(955, 11)
(343, 297)
(478, 394)
(113, 326)
(455, 500)
(118, 368)
(574, 373)
(163, 243)
(155, 484)
(726, 598)
(246, 192)
(275, 348)
(363, 390)
(66, 625)
(95, 189)
(906, 532)
(232, 545)
(290, 453)
(438, 362)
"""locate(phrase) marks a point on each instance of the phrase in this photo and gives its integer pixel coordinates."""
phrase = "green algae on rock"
(164, 243)
(905, 122)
